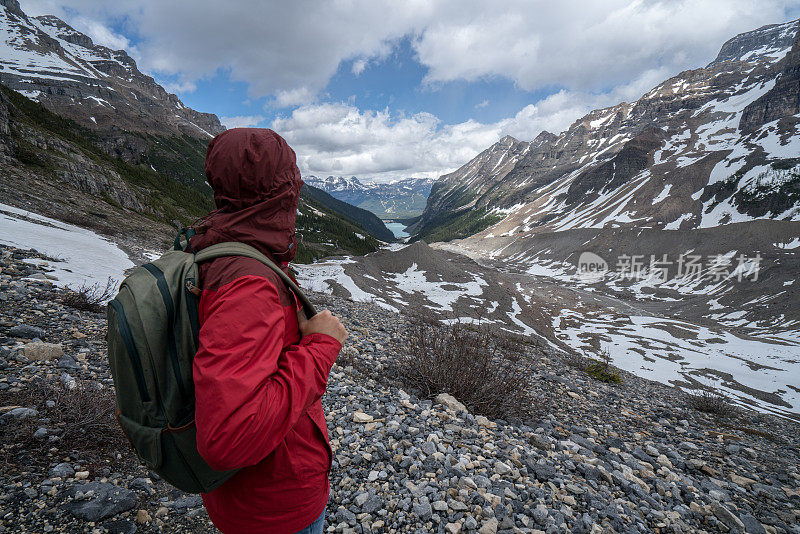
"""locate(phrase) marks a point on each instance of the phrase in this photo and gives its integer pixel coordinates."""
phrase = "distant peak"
(766, 40)
(13, 7)
(508, 140)
(65, 31)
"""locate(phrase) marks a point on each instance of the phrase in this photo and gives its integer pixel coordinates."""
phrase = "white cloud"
(482, 104)
(341, 139)
(595, 53)
(358, 66)
(179, 86)
(242, 121)
(101, 34)
(290, 50)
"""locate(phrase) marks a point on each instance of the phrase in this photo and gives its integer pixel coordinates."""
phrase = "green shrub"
(603, 372)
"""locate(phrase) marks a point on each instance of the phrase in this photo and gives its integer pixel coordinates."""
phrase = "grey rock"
(373, 504)
(141, 484)
(428, 447)
(422, 510)
(544, 472)
(62, 470)
(98, 500)
(190, 501)
(726, 516)
(26, 331)
(68, 362)
(20, 413)
(752, 525)
(120, 526)
(361, 498)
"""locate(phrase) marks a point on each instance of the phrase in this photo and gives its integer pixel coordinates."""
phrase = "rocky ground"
(595, 457)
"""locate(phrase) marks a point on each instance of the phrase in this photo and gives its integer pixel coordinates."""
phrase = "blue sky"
(386, 90)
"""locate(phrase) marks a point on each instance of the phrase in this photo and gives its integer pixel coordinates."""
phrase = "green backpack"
(153, 331)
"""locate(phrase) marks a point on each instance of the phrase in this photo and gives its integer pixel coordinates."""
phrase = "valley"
(657, 238)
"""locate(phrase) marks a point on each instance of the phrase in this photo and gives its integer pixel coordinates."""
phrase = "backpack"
(153, 329)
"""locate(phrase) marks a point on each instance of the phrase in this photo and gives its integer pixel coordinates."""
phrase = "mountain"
(49, 61)
(366, 219)
(49, 166)
(400, 199)
(90, 140)
(708, 147)
(644, 226)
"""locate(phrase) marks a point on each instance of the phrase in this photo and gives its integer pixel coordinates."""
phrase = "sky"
(385, 90)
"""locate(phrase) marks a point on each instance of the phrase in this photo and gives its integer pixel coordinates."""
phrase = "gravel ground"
(594, 457)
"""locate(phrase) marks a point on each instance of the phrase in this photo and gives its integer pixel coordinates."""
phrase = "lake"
(398, 229)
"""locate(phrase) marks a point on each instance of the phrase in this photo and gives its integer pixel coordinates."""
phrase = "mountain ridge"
(554, 179)
(399, 199)
(51, 62)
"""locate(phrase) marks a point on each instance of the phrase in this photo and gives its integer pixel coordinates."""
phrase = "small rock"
(62, 470)
(361, 417)
(68, 362)
(727, 517)
(501, 468)
(489, 527)
(142, 516)
(448, 400)
(40, 351)
(26, 331)
(361, 498)
(423, 510)
(20, 413)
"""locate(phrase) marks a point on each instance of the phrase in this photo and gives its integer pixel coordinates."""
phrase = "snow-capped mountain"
(707, 147)
(49, 61)
(398, 199)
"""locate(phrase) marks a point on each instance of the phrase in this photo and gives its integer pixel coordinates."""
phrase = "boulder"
(95, 501)
(41, 351)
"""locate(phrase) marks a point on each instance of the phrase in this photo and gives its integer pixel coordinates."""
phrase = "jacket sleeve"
(250, 391)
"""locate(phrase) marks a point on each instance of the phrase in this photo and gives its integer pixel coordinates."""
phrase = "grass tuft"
(90, 298)
(711, 402)
(472, 363)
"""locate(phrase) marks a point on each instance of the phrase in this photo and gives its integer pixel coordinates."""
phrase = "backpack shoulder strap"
(240, 249)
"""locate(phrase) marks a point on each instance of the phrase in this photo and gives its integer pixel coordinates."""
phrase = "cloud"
(101, 34)
(339, 138)
(584, 45)
(482, 104)
(242, 121)
(289, 51)
(588, 54)
(178, 86)
(358, 66)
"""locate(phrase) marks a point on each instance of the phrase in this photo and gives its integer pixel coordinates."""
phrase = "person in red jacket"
(261, 367)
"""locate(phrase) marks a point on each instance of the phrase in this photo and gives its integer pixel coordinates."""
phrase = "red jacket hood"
(256, 183)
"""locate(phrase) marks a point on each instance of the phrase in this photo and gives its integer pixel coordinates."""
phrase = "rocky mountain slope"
(634, 457)
(364, 218)
(49, 165)
(52, 63)
(707, 147)
(90, 140)
(400, 199)
(657, 231)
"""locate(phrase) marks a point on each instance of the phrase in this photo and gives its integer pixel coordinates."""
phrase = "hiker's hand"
(322, 323)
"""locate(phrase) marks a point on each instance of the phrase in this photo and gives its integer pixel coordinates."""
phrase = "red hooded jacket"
(257, 383)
